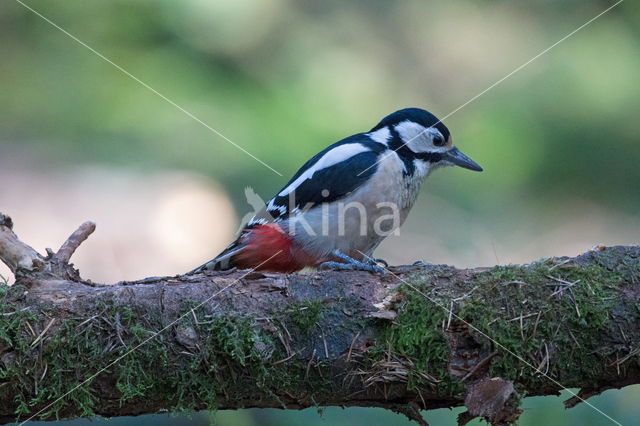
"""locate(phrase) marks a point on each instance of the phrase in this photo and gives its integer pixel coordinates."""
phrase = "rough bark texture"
(420, 337)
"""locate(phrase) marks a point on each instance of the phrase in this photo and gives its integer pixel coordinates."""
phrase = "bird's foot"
(378, 261)
(351, 264)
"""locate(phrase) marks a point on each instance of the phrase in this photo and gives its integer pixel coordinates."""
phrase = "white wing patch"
(263, 217)
(335, 156)
(259, 221)
(381, 135)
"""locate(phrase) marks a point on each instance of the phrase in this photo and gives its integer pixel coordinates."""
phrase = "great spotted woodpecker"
(346, 199)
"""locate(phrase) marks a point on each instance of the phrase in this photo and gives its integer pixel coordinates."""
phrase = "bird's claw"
(377, 260)
(351, 264)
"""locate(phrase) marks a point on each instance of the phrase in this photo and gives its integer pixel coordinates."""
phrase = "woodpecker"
(346, 199)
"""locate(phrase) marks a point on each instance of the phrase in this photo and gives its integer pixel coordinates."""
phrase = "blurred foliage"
(283, 79)
(277, 77)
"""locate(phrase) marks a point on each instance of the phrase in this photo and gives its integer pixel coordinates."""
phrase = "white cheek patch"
(335, 156)
(419, 138)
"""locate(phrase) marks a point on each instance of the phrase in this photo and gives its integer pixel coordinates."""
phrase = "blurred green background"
(283, 79)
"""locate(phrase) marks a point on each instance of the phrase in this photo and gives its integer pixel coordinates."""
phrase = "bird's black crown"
(417, 115)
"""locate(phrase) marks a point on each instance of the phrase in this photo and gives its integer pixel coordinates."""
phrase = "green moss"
(494, 301)
(417, 334)
(231, 358)
(528, 317)
(227, 352)
(306, 315)
(14, 337)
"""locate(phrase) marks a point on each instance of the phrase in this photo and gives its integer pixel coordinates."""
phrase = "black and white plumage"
(347, 198)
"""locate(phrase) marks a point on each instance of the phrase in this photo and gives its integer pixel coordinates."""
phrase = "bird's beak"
(455, 156)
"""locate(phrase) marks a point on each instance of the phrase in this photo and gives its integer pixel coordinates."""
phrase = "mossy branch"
(420, 337)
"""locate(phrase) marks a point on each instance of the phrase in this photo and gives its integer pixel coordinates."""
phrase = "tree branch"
(13, 252)
(73, 242)
(419, 337)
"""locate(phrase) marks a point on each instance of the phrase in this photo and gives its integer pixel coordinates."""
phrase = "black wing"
(327, 184)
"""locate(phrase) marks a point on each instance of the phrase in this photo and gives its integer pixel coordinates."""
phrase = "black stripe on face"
(407, 155)
(404, 153)
(431, 157)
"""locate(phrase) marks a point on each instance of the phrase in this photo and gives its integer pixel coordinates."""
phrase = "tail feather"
(221, 262)
(264, 248)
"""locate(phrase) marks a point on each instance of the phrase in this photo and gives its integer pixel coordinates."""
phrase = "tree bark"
(418, 337)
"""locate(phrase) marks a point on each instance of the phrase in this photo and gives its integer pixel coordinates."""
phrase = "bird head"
(416, 134)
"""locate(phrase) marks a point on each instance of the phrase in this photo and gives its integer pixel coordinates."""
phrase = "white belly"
(360, 221)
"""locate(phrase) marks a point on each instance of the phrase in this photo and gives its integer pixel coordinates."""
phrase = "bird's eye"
(438, 141)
